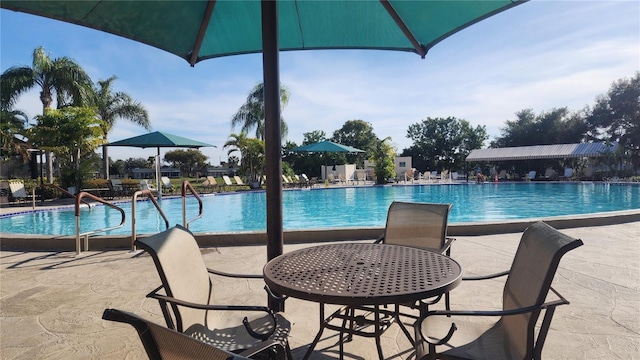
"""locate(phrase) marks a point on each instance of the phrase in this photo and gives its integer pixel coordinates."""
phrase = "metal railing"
(149, 194)
(92, 232)
(187, 185)
(63, 191)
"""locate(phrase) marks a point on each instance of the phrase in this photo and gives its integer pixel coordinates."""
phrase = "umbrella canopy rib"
(193, 58)
(420, 49)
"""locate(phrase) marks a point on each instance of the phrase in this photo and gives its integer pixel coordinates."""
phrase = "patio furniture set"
(393, 280)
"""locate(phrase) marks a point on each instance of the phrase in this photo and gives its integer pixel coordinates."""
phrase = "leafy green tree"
(61, 77)
(358, 134)
(383, 155)
(252, 154)
(557, 126)
(443, 143)
(616, 116)
(137, 163)
(72, 134)
(113, 106)
(251, 113)
(117, 167)
(187, 161)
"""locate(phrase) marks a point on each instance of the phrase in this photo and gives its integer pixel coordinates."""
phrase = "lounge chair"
(163, 343)
(167, 185)
(187, 302)
(420, 225)
(227, 181)
(502, 175)
(146, 185)
(550, 174)
(568, 174)
(462, 334)
(209, 184)
(115, 187)
(444, 176)
(18, 192)
(531, 175)
(238, 180)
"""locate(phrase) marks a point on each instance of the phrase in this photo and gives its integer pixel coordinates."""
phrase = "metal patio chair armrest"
(550, 306)
(379, 239)
(245, 321)
(485, 277)
(446, 248)
(232, 275)
(265, 345)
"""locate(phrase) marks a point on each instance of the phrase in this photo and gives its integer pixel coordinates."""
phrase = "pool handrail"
(92, 232)
(187, 185)
(134, 199)
(59, 188)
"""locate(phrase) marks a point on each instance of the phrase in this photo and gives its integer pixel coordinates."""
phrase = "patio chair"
(167, 185)
(188, 300)
(18, 192)
(513, 335)
(420, 225)
(163, 343)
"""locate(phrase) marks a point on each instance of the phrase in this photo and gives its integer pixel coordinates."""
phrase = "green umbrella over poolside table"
(199, 29)
(159, 139)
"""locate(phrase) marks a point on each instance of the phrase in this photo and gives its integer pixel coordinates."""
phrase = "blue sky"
(539, 55)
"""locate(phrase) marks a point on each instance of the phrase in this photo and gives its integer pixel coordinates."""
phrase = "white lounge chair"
(238, 180)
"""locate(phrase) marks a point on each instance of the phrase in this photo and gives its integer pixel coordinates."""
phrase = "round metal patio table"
(361, 274)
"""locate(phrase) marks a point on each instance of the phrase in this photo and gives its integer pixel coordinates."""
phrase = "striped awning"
(560, 151)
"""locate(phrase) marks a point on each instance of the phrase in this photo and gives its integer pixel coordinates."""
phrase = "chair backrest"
(454, 175)
(532, 174)
(166, 182)
(212, 181)
(227, 180)
(549, 172)
(420, 225)
(238, 180)
(146, 185)
(183, 273)
(568, 172)
(162, 343)
(17, 189)
(116, 184)
(532, 271)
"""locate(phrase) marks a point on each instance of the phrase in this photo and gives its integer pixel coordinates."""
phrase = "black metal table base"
(353, 324)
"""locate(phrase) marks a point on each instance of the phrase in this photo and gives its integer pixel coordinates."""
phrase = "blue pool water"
(344, 207)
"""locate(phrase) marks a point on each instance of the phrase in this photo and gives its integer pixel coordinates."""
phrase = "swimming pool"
(344, 207)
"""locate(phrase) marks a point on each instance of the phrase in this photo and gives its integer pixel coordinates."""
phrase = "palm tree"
(251, 113)
(12, 123)
(252, 153)
(60, 76)
(116, 105)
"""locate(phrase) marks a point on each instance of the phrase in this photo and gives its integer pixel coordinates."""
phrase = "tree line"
(86, 112)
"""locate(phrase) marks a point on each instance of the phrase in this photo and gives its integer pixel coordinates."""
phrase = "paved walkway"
(52, 302)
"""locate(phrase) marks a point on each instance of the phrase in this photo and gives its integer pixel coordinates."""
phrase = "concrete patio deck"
(52, 302)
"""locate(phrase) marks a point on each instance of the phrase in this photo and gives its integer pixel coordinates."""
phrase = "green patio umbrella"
(326, 146)
(199, 29)
(158, 139)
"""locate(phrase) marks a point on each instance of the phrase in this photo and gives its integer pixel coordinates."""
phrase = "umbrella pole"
(158, 188)
(270, 63)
